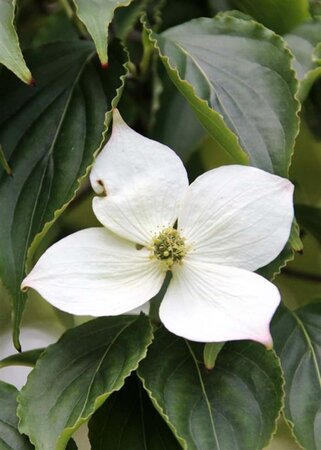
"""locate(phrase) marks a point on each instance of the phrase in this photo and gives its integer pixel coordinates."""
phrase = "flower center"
(169, 247)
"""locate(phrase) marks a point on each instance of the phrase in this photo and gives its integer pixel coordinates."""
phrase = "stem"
(69, 11)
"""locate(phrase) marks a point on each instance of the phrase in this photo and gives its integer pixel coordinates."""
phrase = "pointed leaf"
(10, 53)
(237, 77)
(233, 406)
(297, 340)
(96, 16)
(278, 15)
(49, 135)
(10, 438)
(75, 376)
(128, 420)
(305, 43)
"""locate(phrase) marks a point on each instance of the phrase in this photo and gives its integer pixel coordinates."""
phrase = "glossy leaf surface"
(233, 406)
(297, 340)
(75, 376)
(237, 77)
(49, 135)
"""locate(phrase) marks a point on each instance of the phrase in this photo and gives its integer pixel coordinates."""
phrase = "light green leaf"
(10, 438)
(234, 406)
(49, 135)
(278, 15)
(28, 358)
(310, 218)
(75, 376)
(305, 44)
(96, 16)
(297, 341)
(128, 421)
(237, 77)
(10, 53)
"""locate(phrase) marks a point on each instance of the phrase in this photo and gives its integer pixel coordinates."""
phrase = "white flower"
(230, 221)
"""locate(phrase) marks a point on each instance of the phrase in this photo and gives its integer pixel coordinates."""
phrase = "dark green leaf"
(97, 15)
(49, 135)
(305, 43)
(75, 376)
(4, 163)
(128, 420)
(237, 77)
(10, 53)
(234, 406)
(309, 218)
(125, 18)
(297, 340)
(293, 245)
(176, 124)
(10, 438)
(278, 15)
(28, 358)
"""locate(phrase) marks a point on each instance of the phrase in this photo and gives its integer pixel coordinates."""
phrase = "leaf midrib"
(205, 395)
(309, 343)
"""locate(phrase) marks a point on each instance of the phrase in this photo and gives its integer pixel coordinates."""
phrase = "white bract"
(211, 235)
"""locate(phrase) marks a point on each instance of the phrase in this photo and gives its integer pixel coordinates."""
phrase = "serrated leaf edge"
(67, 433)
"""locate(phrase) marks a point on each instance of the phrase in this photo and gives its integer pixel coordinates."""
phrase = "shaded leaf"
(96, 16)
(293, 245)
(305, 44)
(28, 358)
(10, 438)
(10, 53)
(49, 135)
(176, 124)
(297, 341)
(310, 218)
(237, 77)
(233, 406)
(278, 15)
(128, 420)
(75, 376)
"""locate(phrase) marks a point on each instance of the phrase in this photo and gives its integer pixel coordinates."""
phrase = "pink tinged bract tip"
(32, 82)
(104, 65)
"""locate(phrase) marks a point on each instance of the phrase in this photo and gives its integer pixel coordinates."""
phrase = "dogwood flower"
(211, 235)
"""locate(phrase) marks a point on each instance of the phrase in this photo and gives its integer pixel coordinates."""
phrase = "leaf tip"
(32, 82)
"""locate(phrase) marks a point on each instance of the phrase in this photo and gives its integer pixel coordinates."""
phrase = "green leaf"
(293, 245)
(278, 15)
(75, 376)
(175, 123)
(10, 438)
(305, 44)
(96, 16)
(237, 77)
(128, 421)
(234, 406)
(310, 218)
(10, 53)
(49, 135)
(125, 18)
(297, 341)
(28, 358)
(4, 163)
